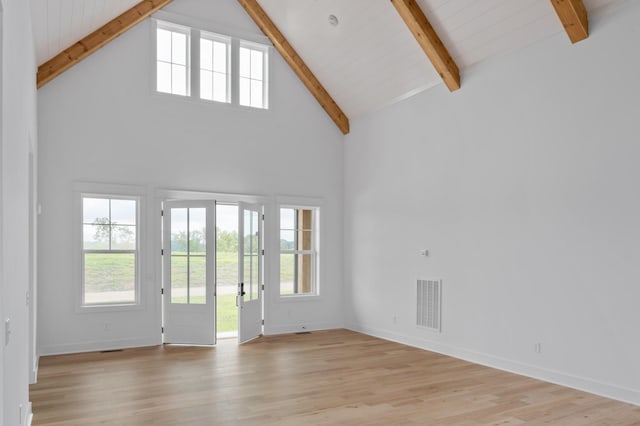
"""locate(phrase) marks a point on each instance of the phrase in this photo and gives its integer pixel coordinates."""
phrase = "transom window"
(109, 250)
(214, 67)
(253, 68)
(172, 59)
(213, 78)
(298, 251)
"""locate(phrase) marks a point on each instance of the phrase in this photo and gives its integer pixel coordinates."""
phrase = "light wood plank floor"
(333, 377)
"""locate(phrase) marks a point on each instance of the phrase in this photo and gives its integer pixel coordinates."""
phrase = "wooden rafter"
(296, 63)
(574, 18)
(428, 39)
(94, 41)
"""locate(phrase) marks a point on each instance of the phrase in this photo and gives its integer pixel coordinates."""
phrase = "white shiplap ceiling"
(57, 24)
(370, 59)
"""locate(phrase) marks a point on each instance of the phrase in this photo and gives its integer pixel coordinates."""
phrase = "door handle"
(242, 292)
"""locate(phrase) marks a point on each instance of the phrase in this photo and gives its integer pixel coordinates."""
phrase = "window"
(214, 68)
(212, 78)
(109, 250)
(172, 59)
(298, 251)
(253, 75)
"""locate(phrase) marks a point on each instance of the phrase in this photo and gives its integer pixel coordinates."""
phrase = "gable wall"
(101, 121)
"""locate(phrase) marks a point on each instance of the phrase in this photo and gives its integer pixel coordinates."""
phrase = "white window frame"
(114, 192)
(265, 71)
(168, 26)
(166, 20)
(213, 37)
(315, 243)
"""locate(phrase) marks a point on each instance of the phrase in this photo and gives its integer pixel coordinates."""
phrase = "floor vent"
(428, 304)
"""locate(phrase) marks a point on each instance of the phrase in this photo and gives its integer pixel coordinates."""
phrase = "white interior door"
(189, 272)
(249, 272)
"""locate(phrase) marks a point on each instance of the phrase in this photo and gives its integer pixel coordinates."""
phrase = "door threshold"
(227, 335)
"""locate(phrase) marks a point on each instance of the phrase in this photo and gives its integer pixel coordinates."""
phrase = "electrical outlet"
(395, 319)
(537, 348)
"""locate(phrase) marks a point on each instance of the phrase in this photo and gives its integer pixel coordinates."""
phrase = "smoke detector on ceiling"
(333, 20)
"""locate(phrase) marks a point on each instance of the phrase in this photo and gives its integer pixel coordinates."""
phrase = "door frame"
(166, 194)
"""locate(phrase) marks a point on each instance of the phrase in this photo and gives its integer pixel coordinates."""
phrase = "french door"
(188, 258)
(249, 272)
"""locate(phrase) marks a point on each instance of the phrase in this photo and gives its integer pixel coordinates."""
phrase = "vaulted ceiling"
(369, 58)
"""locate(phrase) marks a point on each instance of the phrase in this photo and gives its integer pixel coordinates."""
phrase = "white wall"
(524, 187)
(18, 128)
(102, 122)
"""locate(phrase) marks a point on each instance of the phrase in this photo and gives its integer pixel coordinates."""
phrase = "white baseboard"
(99, 345)
(631, 396)
(33, 379)
(300, 328)
(29, 415)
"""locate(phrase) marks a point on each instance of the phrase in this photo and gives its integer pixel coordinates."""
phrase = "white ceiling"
(370, 59)
(57, 24)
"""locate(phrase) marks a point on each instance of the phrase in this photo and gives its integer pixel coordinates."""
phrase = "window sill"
(299, 298)
(90, 309)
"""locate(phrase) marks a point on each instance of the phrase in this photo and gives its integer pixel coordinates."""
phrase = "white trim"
(631, 396)
(29, 415)
(227, 41)
(264, 49)
(33, 373)
(292, 200)
(222, 197)
(172, 26)
(139, 193)
(317, 205)
(301, 328)
(195, 31)
(165, 194)
(189, 68)
(100, 345)
(210, 26)
(299, 298)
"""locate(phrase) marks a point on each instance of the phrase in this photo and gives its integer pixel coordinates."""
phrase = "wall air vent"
(429, 301)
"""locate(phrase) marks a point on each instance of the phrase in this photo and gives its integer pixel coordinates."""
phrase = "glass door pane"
(188, 255)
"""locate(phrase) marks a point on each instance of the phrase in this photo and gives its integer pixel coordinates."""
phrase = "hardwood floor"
(332, 377)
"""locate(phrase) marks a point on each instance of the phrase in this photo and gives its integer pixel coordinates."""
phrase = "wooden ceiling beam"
(574, 18)
(296, 63)
(94, 41)
(428, 39)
